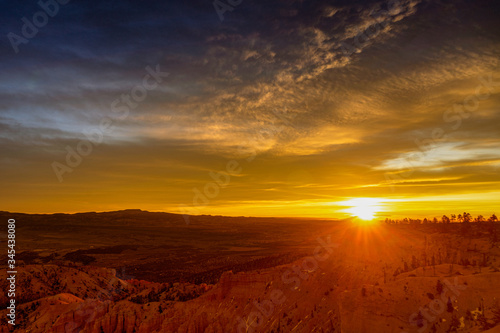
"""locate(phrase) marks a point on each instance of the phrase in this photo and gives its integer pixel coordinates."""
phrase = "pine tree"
(439, 287)
(449, 305)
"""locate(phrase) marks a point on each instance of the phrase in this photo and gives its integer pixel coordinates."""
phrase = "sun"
(363, 208)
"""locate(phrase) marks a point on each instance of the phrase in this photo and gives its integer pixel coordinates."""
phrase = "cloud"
(441, 155)
(334, 92)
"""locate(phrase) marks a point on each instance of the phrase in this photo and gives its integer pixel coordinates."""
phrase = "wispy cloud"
(351, 116)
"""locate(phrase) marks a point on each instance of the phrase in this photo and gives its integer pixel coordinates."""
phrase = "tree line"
(460, 218)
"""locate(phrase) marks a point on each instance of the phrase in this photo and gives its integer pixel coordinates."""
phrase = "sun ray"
(365, 209)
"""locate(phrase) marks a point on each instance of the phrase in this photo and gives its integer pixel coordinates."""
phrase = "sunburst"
(363, 208)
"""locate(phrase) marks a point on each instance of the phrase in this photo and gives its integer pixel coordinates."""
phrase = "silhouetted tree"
(467, 217)
(420, 319)
(449, 305)
(439, 287)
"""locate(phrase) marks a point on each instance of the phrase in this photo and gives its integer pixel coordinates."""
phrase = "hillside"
(347, 278)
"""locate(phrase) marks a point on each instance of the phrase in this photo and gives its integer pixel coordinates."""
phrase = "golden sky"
(285, 110)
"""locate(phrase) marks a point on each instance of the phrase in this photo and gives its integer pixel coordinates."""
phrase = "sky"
(254, 108)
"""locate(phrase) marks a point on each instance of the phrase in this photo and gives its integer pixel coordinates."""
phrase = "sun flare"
(363, 208)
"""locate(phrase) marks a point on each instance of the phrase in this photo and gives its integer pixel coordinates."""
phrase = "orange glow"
(363, 208)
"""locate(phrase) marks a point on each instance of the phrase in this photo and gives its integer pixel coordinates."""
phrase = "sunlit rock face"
(378, 278)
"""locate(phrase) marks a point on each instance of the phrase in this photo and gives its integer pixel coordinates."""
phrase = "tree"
(467, 217)
(449, 305)
(439, 287)
(420, 319)
(493, 218)
(453, 218)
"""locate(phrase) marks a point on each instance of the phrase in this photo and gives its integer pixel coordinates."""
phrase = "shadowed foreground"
(135, 271)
